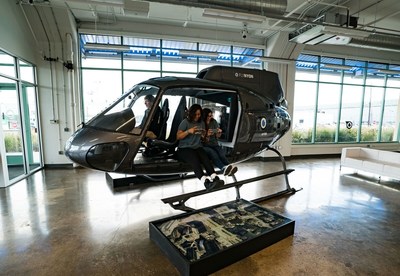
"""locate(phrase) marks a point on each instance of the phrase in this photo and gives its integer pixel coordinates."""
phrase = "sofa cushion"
(352, 162)
(369, 154)
(389, 156)
(373, 166)
(351, 152)
(392, 170)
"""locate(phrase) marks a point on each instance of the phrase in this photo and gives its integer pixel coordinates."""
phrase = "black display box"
(206, 240)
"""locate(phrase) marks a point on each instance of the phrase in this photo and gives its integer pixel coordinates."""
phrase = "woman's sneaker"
(233, 171)
(227, 169)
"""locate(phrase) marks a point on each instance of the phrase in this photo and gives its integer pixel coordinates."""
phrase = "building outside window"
(335, 101)
(111, 65)
(345, 101)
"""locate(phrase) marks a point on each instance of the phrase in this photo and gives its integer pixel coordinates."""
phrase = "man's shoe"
(233, 171)
(209, 185)
(218, 182)
(227, 169)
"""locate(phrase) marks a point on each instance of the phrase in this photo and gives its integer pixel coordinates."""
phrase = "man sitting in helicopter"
(155, 125)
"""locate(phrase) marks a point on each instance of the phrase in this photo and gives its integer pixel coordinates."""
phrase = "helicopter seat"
(163, 123)
(166, 148)
(161, 148)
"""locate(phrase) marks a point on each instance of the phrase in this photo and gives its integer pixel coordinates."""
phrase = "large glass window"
(307, 68)
(102, 62)
(304, 112)
(7, 64)
(327, 113)
(113, 64)
(391, 115)
(134, 77)
(100, 89)
(26, 71)
(350, 113)
(356, 101)
(372, 111)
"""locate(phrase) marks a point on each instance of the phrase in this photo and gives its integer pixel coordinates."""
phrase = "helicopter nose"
(87, 149)
(107, 156)
(73, 150)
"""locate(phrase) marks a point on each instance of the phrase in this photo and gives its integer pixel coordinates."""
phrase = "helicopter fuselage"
(248, 104)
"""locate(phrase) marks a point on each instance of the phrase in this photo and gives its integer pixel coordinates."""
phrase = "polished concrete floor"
(70, 222)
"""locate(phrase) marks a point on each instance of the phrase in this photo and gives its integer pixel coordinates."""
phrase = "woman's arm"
(181, 134)
(219, 133)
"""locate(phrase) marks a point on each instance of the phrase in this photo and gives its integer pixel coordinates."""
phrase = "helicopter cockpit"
(127, 119)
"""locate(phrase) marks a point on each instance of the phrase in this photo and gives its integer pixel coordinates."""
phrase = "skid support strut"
(178, 202)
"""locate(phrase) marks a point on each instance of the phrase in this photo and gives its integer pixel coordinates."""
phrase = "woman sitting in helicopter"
(190, 149)
(211, 146)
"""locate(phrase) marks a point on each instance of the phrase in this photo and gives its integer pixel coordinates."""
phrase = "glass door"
(20, 151)
(11, 128)
(30, 125)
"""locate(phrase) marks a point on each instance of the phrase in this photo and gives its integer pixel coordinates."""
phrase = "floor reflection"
(69, 222)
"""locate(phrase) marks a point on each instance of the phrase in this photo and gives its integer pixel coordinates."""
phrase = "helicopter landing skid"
(178, 202)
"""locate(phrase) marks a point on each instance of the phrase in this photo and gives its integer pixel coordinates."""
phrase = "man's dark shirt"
(155, 125)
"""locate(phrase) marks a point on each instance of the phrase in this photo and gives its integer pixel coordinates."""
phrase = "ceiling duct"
(259, 7)
(378, 42)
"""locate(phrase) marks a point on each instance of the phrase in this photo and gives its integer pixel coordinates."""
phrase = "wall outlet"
(66, 129)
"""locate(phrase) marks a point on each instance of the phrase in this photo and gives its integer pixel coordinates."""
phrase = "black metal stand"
(178, 202)
(117, 180)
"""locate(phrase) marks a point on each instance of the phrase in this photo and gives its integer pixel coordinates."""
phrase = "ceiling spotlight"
(234, 16)
(245, 31)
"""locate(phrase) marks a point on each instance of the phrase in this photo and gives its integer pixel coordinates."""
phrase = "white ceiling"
(381, 17)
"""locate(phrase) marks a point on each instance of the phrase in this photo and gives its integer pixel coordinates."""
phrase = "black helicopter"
(248, 104)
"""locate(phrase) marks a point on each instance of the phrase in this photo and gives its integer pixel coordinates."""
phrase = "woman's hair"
(206, 111)
(192, 112)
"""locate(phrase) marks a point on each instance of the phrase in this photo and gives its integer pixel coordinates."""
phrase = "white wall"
(15, 35)
(58, 86)
(51, 35)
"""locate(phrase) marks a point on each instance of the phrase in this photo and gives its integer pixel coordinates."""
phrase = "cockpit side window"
(149, 115)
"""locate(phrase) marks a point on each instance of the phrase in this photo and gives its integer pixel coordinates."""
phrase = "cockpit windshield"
(128, 113)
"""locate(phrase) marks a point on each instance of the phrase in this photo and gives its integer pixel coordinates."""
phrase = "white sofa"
(380, 162)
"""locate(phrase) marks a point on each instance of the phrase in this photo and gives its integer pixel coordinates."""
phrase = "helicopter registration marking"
(243, 75)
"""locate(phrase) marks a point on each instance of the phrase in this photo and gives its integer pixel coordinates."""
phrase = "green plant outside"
(13, 142)
(327, 135)
(301, 136)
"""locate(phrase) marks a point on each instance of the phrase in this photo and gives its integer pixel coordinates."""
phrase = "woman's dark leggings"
(196, 158)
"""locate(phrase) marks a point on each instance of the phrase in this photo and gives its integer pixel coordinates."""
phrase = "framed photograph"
(206, 240)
